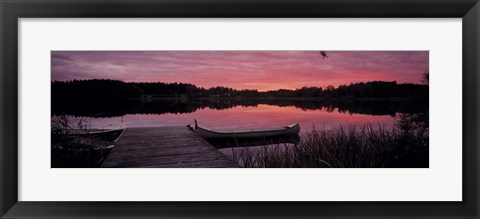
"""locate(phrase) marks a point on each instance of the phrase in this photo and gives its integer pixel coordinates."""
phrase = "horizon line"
(298, 88)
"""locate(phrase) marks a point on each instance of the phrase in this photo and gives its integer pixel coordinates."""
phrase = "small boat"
(103, 135)
(293, 129)
(250, 142)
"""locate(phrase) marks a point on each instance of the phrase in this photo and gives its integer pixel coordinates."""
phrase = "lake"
(230, 114)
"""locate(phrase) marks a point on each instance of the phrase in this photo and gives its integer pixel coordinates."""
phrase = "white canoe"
(248, 133)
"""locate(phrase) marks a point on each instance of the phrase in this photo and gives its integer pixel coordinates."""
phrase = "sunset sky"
(261, 70)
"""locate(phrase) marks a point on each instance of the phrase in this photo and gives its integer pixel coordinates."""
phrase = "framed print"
(239, 109)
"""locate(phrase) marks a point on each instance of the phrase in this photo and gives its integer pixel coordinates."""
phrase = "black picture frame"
(12, 10)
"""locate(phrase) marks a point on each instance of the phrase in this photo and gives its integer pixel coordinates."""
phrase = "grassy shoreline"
(344, 147)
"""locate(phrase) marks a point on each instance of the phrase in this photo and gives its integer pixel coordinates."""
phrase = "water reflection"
(120, 108)
(234, 114)
(240, 117)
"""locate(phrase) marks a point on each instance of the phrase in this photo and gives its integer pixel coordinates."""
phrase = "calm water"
(231, 115)
(240, 117)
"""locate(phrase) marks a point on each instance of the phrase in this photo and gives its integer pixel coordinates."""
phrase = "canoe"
(104, 135)
(248, 133)
(251, 142)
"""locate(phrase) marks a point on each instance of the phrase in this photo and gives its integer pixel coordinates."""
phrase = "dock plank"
(167, 147)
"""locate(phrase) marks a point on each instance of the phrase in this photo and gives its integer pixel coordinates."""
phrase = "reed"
(68, 152)
(343, 147)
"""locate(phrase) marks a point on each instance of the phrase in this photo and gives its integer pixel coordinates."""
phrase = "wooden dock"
(169, 147)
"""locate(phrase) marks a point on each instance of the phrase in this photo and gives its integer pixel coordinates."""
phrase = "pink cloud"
(262, 70)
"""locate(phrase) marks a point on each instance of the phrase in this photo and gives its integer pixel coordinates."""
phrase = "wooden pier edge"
(164, 147)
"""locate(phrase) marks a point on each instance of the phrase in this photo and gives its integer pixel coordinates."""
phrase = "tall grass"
(344, 147)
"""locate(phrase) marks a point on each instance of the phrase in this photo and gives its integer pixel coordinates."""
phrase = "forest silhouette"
(109, 98)
(114, 89)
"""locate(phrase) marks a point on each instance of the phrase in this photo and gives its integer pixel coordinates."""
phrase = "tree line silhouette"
(114, 90)
(110, 98)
